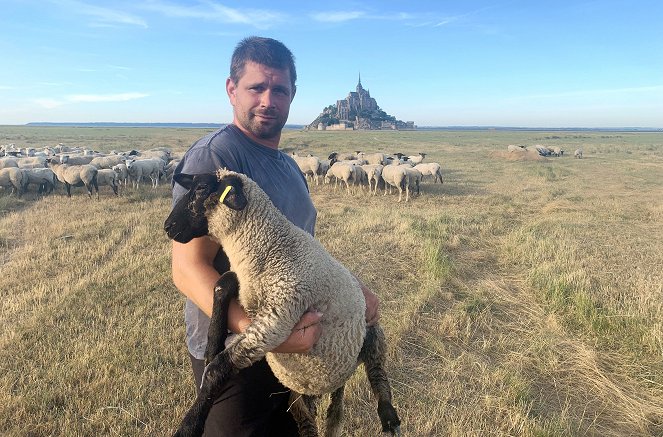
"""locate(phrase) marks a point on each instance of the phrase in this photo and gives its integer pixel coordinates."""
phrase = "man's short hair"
(264, 51)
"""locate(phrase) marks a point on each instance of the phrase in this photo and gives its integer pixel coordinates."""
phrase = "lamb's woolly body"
(283, 271)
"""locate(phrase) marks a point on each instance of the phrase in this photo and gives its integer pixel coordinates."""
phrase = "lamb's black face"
(187, 220)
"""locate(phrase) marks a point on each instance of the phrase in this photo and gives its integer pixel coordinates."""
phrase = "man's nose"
(267, 99)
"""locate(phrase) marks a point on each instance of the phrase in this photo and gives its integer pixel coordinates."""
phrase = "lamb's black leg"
(226, 288)
(373, 356)
(217, 373)
(334, 420)
(303, 410)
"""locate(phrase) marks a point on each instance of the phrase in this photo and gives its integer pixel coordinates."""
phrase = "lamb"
(13, 178)
(122, 173)
(77, 176)
(107, 176)
(396, 176)
(280, 271)
(430, 169)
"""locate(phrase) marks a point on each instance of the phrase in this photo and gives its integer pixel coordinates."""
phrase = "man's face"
(261, 101)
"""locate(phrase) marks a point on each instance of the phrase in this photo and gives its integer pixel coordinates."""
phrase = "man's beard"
(263, 130)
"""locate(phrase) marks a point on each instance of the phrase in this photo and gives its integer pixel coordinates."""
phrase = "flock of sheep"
(542, 150)
(370, 170)
(76, 167)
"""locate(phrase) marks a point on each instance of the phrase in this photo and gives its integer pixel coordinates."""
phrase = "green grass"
(519, 298)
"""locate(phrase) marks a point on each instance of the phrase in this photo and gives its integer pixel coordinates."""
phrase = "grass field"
(520, 298)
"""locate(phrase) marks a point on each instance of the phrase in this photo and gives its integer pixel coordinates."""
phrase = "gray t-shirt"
(274, 171)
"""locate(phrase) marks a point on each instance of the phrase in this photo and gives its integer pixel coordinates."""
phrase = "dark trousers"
(253, 404)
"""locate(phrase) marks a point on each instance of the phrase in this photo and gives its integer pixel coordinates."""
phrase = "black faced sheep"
(280, 271)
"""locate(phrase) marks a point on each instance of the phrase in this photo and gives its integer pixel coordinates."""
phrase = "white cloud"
(104, 17)
(49, 103)
(122, 97)
(338, 16)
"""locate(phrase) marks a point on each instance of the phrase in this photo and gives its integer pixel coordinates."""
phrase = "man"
(261, 87)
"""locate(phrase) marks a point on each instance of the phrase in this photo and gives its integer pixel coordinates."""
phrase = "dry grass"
(520, 298)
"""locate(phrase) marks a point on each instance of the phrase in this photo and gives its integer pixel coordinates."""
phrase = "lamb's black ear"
(185, 180)
(232, 193)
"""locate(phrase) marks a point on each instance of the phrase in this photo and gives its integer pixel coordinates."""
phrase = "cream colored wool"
(283, 272)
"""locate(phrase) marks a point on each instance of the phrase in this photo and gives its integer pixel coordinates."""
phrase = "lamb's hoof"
(395, 431)
(391, 424)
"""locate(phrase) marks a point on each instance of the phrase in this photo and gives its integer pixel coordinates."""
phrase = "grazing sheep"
(373, 174)
(514, 148)
(77, 176)
(373, 158)
(152, 168)
(281, 271)
(32, 162)
(44, 178)
(107, 161)
(122, 173)
(75, 160)
(107, 176)
(430, 169)
(6, 162)
(578, 154)
(308, 165)
(13, 178)
(341, 172)
(413, 178)
(396, 176)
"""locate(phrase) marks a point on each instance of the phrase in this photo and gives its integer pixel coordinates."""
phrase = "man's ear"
(231, 87)
(185, 180)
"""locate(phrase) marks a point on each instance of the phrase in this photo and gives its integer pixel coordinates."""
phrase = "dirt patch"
(525, 155)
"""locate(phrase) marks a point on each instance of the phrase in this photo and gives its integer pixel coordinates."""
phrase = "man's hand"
(372, 304)
(304, 335)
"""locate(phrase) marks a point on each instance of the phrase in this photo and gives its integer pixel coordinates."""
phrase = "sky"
(519, 63)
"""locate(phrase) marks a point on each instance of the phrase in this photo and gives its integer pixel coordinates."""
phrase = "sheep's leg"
(373, 354)
(217, 373)
(226, 288)
(303, 409)
(334, 421)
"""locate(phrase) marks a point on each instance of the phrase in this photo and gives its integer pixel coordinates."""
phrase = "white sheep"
(107, 161)
(107, 176)
(77, 176)
(13, 178)
(279, 272)
(152, 168)
(373, 158)
(341, 172)
(430, 169)
(44, 178)
(578, 154)
(416, 159)
(8, 161)
(308, 165)
(373, 174)
(396, 176)
(514, 148)
(122, 173)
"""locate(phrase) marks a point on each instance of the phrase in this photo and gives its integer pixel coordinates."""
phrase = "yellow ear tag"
(225, 193)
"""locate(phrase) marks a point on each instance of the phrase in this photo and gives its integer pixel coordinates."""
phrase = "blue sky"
(438, 63)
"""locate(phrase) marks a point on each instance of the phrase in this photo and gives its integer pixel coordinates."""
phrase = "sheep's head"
(188, 218)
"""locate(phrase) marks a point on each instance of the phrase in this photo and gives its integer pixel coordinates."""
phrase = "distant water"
(301, 126)
(172, 125)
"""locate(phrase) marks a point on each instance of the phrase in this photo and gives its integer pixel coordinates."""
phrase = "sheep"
(107, 161)
(151, 168)
(170, 168)
(76, 159)
(341, 172)
(396, 176)
(373, 158)
(43, 177)
(280, 271)
(107, 176)
(413, 178)
(514, 148)
(557, 151)
(13, 178)
(416, 159)
(308, 165)
(578, 154)
(122, 173)
(6, 162)
(32, 162)
(77, 176)
(373, 173)
(430, 169)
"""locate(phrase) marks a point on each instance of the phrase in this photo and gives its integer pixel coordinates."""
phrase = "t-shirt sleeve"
(196, 161)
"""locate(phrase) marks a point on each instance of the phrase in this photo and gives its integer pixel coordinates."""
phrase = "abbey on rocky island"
(357, 111)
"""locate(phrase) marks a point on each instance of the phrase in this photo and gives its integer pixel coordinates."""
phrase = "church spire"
(359, 79)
